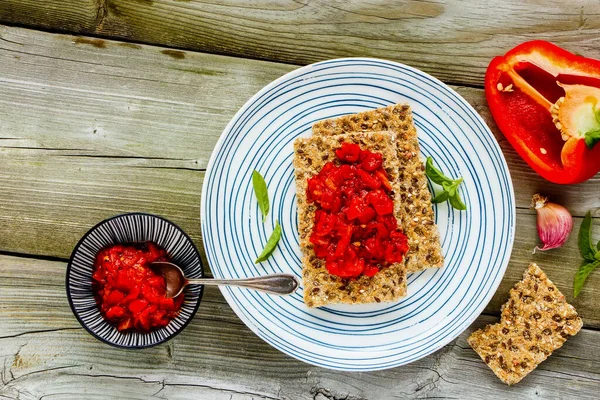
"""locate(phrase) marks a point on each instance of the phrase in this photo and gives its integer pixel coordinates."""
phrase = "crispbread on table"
(321, 288)
(417, 220)
(536, 320)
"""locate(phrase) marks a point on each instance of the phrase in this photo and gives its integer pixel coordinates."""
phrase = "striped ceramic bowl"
(123, 229)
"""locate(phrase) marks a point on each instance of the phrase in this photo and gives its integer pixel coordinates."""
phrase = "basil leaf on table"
(449, 185)
(589, 252)
(261, 192)
(271, 244)
(582, 275)
(584, 240)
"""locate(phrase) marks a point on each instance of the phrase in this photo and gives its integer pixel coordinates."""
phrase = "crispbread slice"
(425, 250)
(536, 320)
(321, 288)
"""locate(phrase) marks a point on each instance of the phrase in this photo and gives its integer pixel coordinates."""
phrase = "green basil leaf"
(261, 192)
(453, 196)
(582, 275)
(591, 138)
(452, 192)
(598, 245)
(456, 202)
(449, 187)
(584, 240)
(440, 197)
(435, 174)
(271, 244)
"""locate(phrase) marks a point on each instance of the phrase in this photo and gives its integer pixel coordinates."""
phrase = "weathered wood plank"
(44, 352)
(139, 102)
(50, 198)
(452, 41)
(89, 132)
(103, 98)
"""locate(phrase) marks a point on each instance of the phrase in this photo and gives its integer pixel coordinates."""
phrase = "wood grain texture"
(44, 352)
(450, 39)
(90, 130)
(119, 101)
(51, 198)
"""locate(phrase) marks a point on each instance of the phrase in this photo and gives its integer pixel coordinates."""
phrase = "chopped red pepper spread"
(355, 229)
(129, 294)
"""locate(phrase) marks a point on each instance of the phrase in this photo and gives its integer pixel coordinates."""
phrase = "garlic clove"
(554, 223)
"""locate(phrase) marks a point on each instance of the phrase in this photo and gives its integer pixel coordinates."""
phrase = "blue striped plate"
(441, 303)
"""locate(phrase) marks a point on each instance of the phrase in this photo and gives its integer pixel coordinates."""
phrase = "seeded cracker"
(417, 218)
(321, 288)
(536, 320)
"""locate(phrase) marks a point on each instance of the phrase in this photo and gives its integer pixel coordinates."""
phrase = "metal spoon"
(275, 283)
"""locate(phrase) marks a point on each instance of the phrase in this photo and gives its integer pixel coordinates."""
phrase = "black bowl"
(128, 229)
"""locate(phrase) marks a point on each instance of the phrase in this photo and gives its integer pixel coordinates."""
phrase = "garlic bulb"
(554, 223)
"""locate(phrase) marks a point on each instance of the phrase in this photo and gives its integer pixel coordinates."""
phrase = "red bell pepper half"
(546, 101)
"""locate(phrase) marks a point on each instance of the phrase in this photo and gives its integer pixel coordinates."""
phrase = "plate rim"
(510, 194)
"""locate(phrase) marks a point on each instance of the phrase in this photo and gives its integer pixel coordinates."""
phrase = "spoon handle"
(274, 283)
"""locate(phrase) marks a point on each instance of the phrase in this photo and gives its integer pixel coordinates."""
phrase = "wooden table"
(109, 106)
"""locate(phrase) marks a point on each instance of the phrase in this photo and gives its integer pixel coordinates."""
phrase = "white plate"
(441, 303)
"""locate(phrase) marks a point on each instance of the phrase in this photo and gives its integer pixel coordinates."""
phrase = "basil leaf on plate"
(271, 244)
(456, 202)
(435, 174)
(582, 275)
(450, 186)
(440, 197)
(261, 192)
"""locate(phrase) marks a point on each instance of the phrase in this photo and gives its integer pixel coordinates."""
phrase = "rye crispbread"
(321, 288)
(417, 218)
(536, 320)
